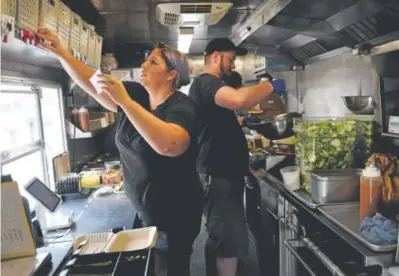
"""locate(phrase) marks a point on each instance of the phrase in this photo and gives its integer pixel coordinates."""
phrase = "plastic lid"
(83, 109)
(371, 171)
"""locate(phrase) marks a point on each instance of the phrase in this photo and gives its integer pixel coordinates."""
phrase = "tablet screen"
(43, 194)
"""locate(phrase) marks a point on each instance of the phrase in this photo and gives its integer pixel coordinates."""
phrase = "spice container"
(370, 191)
(84, 119)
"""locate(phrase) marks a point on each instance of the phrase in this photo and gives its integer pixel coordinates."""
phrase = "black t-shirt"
(223, 147)
(161, 188)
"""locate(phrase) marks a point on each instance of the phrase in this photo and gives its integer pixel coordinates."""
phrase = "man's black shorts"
(225, 215)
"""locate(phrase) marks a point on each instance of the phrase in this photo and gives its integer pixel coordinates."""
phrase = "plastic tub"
(291, 177)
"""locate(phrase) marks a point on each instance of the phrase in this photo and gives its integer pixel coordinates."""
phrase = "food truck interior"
(322, 193)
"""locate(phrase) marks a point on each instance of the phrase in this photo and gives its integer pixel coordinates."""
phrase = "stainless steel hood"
(307, 31)
(287, 32)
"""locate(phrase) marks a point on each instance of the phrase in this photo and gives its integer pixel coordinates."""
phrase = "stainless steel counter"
(370, 257)
(348, 217)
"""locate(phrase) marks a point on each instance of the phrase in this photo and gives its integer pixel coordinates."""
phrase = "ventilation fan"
(191, 14)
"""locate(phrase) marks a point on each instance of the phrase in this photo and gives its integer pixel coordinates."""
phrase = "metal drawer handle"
(335, 270)
(299, 258)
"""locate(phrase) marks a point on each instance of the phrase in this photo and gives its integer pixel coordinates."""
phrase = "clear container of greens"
(330, 143)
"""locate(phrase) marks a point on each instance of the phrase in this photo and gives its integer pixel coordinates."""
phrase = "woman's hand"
(114, 88)
(51, 42)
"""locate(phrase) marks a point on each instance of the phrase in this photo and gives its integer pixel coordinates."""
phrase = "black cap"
(223, 45)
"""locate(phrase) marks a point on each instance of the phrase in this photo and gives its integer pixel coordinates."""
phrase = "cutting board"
(61, 165)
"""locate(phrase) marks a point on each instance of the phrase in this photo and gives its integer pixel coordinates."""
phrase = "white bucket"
(291, 177)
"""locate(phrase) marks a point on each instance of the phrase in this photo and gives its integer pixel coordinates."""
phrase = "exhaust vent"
(191, 14)
(195, 8)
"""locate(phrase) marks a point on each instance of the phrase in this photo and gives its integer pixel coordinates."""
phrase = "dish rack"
(68, 185)
(84, 41)
(48, 14)
(9, 7)
(27, 14)
(74, 37)
(64, 24)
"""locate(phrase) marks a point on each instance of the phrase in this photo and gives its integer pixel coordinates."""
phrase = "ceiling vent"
(191, 14)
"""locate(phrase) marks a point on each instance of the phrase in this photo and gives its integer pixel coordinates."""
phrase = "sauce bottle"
(370, 191)
(84, 119)
(75, 116)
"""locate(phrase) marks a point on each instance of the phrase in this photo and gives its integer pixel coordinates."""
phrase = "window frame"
(39, 145)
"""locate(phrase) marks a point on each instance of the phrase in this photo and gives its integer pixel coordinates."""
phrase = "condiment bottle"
(84, 119)
(370, 191)
(75, 116)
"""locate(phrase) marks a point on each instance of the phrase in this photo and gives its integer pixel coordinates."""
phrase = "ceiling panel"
(113, 24)
(226, 24)
(138, 21)
(269, 35)
(137, 5)
(316, 9)
(198, 46)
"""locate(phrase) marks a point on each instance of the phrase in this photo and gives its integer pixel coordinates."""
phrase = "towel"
(379, 230)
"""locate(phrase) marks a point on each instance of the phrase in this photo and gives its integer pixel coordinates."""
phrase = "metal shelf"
(76, 133)
(21, 52)
(393, 135)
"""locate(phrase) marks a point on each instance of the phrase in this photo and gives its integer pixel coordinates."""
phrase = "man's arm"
(245, 97)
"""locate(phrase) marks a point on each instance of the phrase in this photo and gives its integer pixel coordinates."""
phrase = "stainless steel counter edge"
(371, 258)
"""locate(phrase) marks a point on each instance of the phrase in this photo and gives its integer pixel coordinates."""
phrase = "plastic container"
(130, 240)
(84, 119)
(74, 35)
(9, 7)
(291, 177)
(330, 143)
(48, 14)
(27, 15)
(64, 24)
(370, 191)
(84, 41)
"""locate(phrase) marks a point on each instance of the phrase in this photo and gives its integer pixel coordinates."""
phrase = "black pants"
(225, 220)
(174, 247)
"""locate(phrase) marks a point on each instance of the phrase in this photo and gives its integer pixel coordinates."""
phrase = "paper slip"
(94, 81)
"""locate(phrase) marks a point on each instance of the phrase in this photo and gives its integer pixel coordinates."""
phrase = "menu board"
(16, 237)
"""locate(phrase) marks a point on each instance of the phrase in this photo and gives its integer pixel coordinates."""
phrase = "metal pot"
(363, 105)
(280, 127)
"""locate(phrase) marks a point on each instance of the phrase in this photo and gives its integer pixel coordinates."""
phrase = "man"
(234, 79)
(223, 158)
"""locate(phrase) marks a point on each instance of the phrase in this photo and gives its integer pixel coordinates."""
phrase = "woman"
(156, 138)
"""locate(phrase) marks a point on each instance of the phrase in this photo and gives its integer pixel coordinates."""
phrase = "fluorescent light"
(185, 37)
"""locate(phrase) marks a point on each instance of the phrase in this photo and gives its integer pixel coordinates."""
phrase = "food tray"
(131, 240)
(27, 14)
(64, 24)
(98, 51)
(305, 197)
(48, 14)
(123, 241)
(74, 36)
(95, 242)
(84, 41)
(347, 216)
(9, 7)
